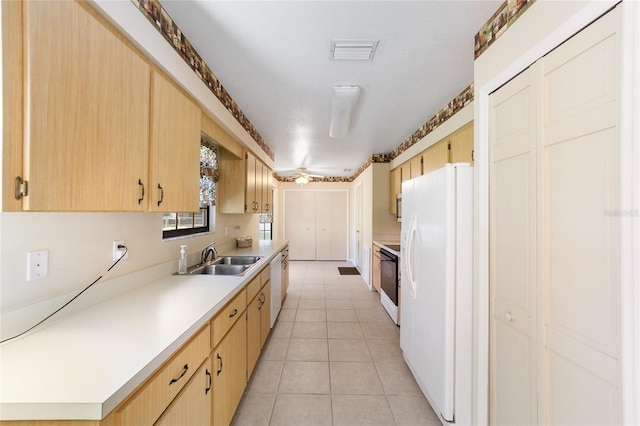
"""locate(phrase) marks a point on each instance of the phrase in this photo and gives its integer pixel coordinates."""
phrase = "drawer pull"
(142, 195)
(233, 314)
(161, 195)
(206, 371)
(219, 364)
(184, 371)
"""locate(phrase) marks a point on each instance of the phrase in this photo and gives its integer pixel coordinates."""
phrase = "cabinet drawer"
(265, 275)
(253, 287)
(153, 398)
(227, 317)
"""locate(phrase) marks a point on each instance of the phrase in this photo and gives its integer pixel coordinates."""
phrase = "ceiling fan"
(301, 175)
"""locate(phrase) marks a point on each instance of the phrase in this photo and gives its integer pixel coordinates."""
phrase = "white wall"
(544, 26)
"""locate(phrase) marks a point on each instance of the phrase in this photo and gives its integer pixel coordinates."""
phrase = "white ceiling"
(273, 58)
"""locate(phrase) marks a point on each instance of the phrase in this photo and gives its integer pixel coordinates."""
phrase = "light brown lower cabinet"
(254, 317)
(375, 268)
(265, 314)
(229, 373)
(193, 405)
(152, 399)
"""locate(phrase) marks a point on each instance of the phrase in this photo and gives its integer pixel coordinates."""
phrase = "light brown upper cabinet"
(416, 166)
(174, 150)
(252, 197)
(462, 145)
(86, 100)
(435, 156)
(395, 188)
(267, 190)
(231, 185)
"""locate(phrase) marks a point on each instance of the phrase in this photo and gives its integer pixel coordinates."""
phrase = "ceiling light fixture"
(353, 50)
(342, 104)
(301, 180)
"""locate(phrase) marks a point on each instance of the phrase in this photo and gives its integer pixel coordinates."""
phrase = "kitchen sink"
(236, 260)
(219, 269)
(225, 265)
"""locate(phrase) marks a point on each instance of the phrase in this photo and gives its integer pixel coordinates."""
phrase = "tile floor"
(333, 358)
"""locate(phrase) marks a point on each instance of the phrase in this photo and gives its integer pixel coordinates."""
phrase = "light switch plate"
(37, 264)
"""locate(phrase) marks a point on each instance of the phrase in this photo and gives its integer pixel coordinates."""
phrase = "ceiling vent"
(353, 50)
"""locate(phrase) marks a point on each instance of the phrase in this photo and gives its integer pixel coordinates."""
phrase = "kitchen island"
(84, 365)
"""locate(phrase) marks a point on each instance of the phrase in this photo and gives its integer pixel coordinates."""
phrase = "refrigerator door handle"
(412, 231)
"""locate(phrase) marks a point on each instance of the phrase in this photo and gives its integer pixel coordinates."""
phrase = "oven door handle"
(410, 238)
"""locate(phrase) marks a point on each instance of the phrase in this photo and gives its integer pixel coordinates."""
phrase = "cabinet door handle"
(184, 371)
(219, 364)
(161, 195)
(142, 195)
(233, 314)
(473, 151)
(206, 371)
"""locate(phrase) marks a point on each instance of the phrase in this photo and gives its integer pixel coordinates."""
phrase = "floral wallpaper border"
(155, 13)
(505, 16)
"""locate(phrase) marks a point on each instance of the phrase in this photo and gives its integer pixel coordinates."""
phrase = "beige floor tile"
(355, 350)
(290, 303)
(340, 303)
(365, 294)
(335, 295)
(355, 378)
(385, 350)
(254, 409)
(311, 315)
(311, 304)
(366, 303)
(410, 410)
(341, 315)
(372, 315)
(266, 377)
(352, 410)
(397, 378)
(287, 315)
(298, 410)
(308, 350)
(282, 329)
(305, 377)
(344, 330)
(275, 349)
(309, 330)
(386, 330)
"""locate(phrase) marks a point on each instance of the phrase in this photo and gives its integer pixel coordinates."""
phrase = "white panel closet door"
(339, 218)
(513, 338)
(300, 224)
(323, 225)
(555, 326)
(581, 186)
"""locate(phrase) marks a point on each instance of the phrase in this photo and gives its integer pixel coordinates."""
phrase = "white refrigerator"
(437, 288)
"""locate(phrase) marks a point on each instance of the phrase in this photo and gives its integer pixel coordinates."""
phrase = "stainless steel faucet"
(205, 253)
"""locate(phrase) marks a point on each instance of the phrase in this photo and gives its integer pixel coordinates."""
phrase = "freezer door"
(434, 308)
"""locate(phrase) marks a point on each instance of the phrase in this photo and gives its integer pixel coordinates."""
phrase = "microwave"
(399, 207)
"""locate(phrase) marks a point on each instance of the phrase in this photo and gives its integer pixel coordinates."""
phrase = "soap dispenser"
(182, 262)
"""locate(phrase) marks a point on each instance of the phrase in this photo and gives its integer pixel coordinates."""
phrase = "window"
(181, 224)
(266, 226)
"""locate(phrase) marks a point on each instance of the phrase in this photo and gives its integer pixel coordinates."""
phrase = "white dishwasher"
(276, 287)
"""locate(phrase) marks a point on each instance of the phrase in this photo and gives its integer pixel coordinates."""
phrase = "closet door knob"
(508, 317)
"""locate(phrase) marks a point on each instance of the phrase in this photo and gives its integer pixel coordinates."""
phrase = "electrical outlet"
(226, 231)
(118, 253)
(37, 264)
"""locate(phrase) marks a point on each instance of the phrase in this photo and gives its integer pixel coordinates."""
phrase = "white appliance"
(437, 286)
(275, 278)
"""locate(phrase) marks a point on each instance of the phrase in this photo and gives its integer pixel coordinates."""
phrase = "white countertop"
(386, 247)
(83, 365)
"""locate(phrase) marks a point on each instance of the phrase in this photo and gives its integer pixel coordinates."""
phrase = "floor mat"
(348, 270)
